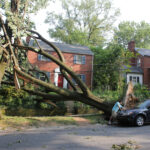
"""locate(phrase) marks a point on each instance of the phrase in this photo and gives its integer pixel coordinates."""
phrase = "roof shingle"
(66, 48)
(143, 52)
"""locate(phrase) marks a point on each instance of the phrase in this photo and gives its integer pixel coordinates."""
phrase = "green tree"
(108, 65)
(85, 22)
(127, 31)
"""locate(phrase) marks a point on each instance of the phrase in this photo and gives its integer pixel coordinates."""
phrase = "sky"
(131, 10)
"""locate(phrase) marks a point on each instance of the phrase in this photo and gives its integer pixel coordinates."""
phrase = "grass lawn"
(29, 122)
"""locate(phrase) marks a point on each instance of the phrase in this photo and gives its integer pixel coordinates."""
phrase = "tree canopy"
(108, 66)
(84, 22)
(130, 30)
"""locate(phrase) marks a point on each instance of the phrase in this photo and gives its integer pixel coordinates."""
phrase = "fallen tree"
(11, 64)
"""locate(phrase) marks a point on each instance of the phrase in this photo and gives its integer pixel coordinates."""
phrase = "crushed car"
(138, 115)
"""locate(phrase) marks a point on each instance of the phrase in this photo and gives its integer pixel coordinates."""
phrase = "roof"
(133, 69)
(143, 52)
(66, 48)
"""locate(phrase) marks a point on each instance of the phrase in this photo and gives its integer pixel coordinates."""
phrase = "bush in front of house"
(141, 92)
(110, 96)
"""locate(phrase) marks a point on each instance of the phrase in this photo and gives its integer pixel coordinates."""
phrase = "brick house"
(79, 58)
(140, 65)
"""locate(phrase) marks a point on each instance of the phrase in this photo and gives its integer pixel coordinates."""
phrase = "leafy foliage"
(20, 103)
(19, 20)
(82, 22)
(108, 66)
(130, 145)
(127, 31)
(141, 92)
(12, 98)
(108, 96)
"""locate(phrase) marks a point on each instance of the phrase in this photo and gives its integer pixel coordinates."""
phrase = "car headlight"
(127, 113)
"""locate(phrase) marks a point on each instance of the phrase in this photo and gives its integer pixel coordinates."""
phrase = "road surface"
(89, 137)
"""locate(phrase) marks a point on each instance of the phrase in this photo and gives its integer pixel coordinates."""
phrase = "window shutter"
(48, 74)
(37, 75)
(75, 59)
(83, 77)
(48, 59)
(83, 60)
(39, 57)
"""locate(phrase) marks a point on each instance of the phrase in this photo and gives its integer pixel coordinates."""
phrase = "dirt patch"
(81, 121)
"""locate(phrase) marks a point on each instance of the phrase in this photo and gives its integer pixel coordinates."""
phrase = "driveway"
(89, 137)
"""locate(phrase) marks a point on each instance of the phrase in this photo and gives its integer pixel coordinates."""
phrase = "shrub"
(141, 92)
(108, 95)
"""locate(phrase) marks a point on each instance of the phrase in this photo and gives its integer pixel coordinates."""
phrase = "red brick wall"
(145, 63)
(145, 66)
(50, 66)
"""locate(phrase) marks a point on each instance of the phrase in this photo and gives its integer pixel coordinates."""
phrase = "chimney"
(131, 47)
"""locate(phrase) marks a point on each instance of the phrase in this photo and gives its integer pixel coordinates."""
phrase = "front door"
(60, 80)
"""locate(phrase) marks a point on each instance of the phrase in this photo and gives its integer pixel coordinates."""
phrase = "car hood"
(134, 110)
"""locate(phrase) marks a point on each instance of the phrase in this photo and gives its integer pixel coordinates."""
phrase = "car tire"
(139, 121)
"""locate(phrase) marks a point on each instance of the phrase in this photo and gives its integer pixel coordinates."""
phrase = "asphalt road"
(90, 137)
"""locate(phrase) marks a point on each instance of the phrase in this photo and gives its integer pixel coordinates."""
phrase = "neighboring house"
(79, 58)
(140, 65)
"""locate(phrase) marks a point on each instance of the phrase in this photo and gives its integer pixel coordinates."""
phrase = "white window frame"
(135, 78)
(79, 59)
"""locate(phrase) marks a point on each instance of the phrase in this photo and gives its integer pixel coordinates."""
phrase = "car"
(136, 116)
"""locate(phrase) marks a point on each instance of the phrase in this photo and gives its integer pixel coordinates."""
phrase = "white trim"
(57, 72)
(134, 78)
(65, 84)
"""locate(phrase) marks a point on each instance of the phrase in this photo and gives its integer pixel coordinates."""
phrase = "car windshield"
(144, 104)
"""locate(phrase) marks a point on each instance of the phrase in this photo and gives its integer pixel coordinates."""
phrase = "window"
(79, 59)
(134, 79)
(82, 77)
(42, 77)
(43, 58)
(138, 62)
